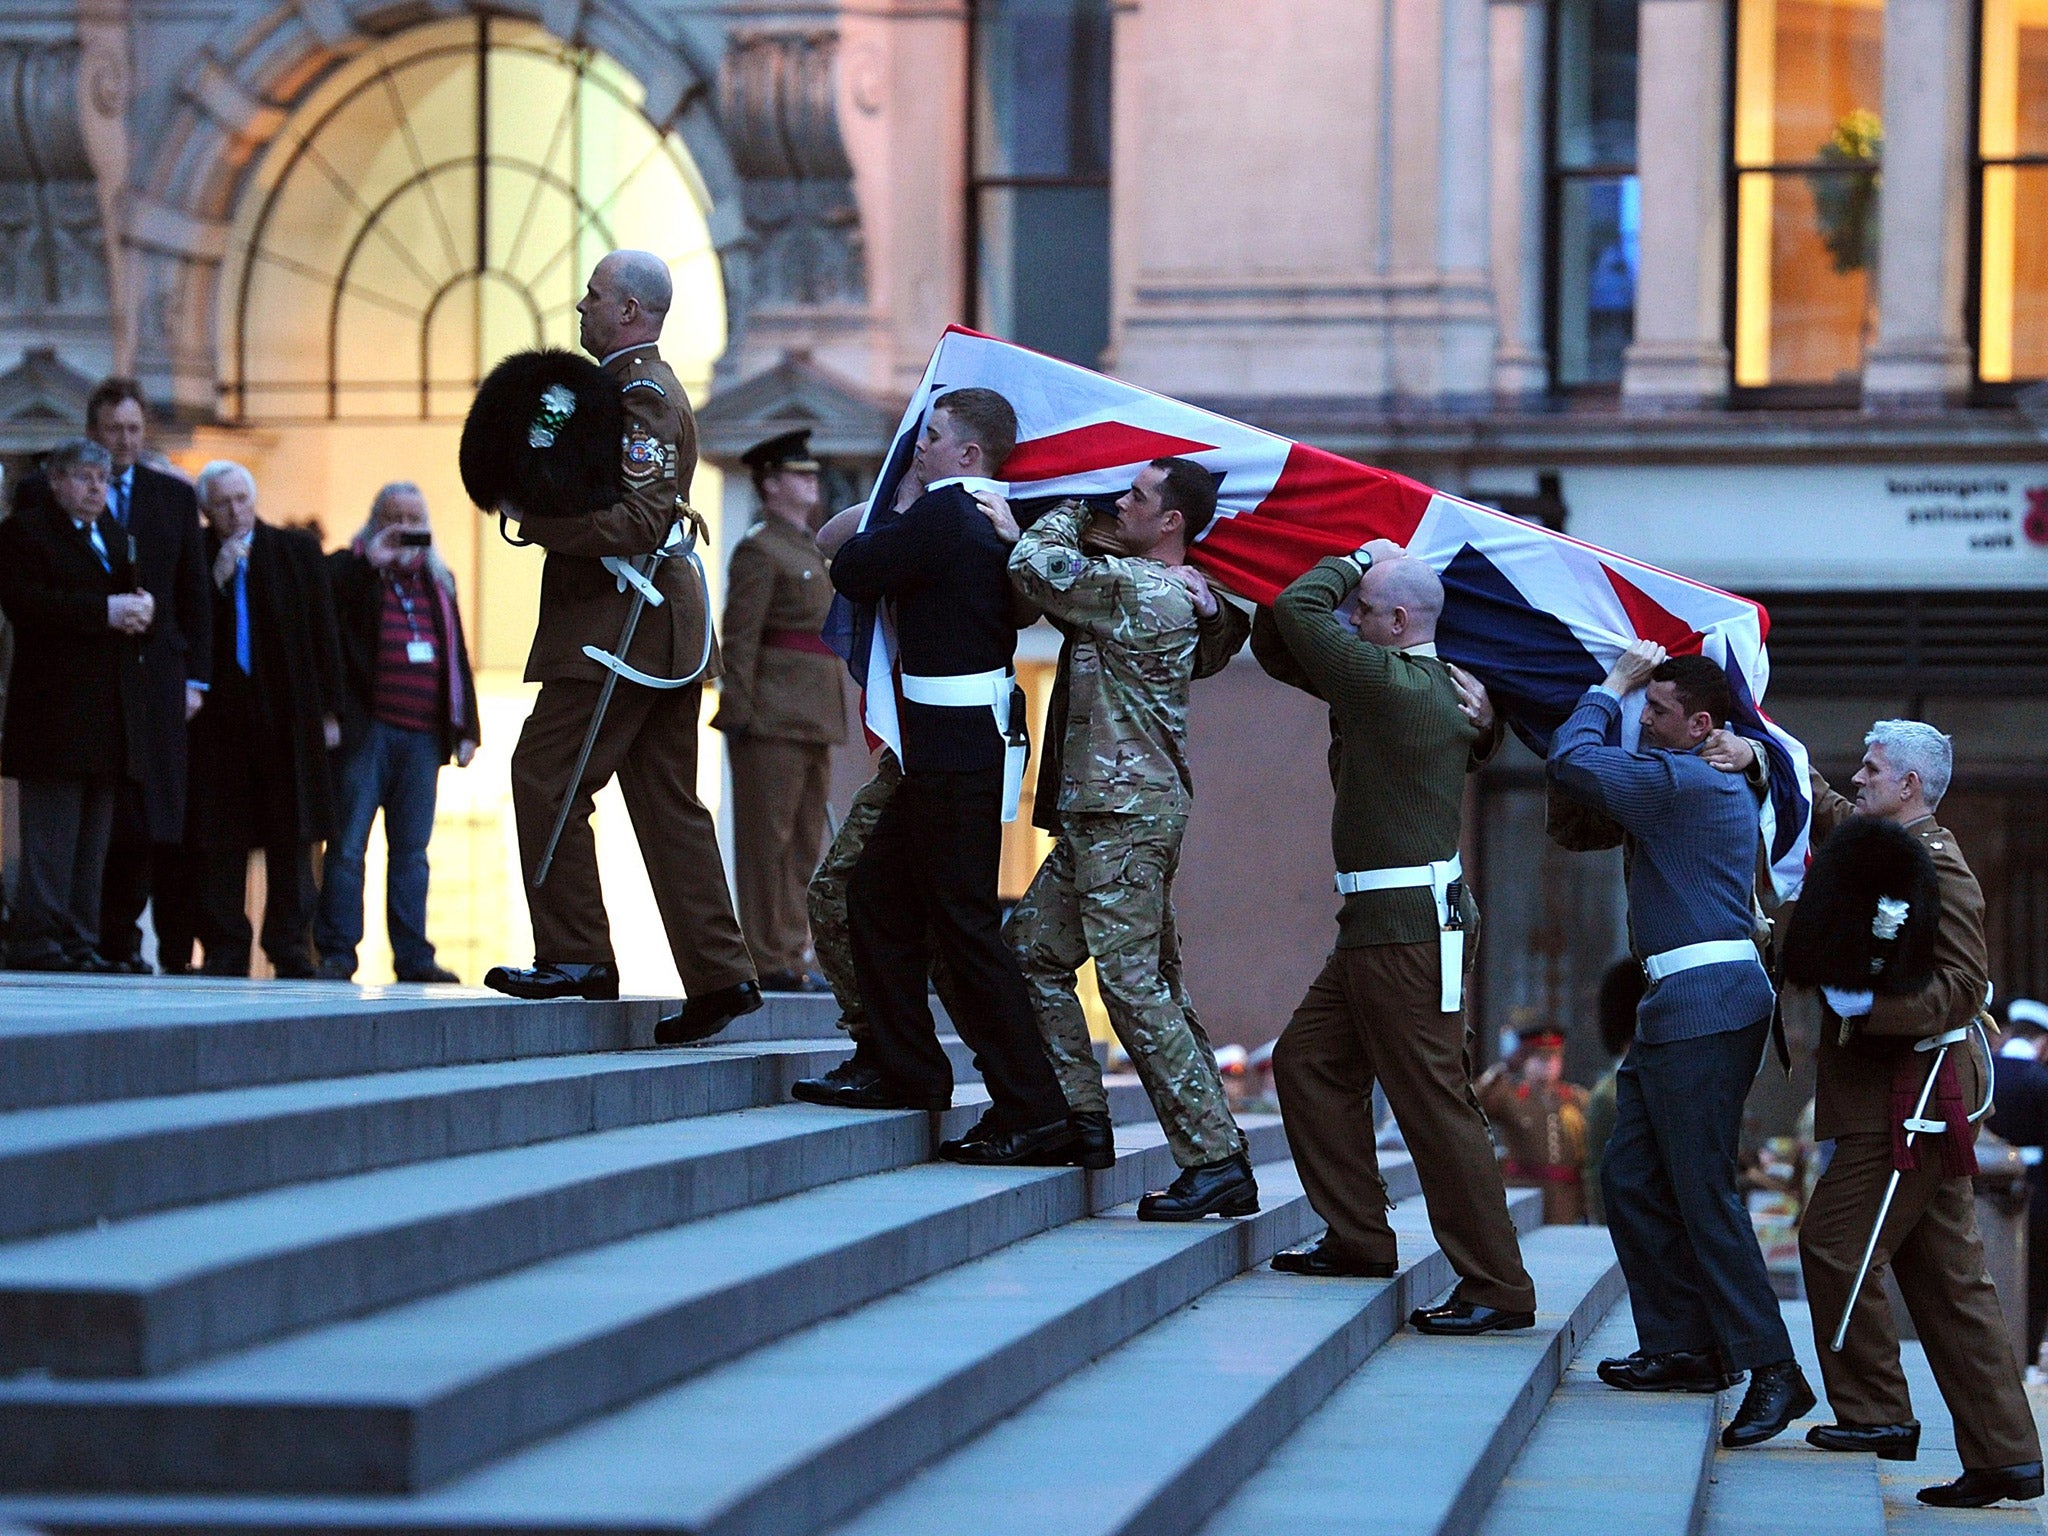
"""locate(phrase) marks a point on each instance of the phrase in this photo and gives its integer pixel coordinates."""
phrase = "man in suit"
(1929, 1240)
(1388, 1006)
(782, 706)
(931, 863)
(145, 860)
(260, 741)
(74, 710)
(1704, 1307)
(649, 737)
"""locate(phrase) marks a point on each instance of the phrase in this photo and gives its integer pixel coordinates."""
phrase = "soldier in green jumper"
(1124, 794)
(1388, 1005)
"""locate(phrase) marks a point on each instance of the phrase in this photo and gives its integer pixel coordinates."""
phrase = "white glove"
(1849, 1005)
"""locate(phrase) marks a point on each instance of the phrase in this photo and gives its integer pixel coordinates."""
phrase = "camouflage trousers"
(831, 928)
(1106, 892)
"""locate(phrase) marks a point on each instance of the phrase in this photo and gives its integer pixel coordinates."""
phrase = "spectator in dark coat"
(261, 739)
(146, 857)
(409, 706)
(74, 710)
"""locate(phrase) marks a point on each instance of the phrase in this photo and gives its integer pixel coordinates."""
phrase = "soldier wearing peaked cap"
(781, 706)
(648, 738)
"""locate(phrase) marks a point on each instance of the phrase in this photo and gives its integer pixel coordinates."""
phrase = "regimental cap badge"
(557, 405)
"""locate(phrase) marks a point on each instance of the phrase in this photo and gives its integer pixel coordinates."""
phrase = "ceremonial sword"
(681, 540)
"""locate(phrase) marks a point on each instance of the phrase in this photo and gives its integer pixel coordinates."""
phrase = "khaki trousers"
(1930, 1241)
(778, 827)
(649, 743)
(1371, 1016)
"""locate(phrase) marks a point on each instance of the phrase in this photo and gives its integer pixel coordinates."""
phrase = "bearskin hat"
(1835, 938)
(543, 434)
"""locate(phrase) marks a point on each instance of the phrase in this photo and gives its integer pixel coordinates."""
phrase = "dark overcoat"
(359, 611)
(74, 707)
(295, 681)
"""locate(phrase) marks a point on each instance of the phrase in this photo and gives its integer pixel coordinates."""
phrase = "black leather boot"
(1777, 1395)
(1888, 1442)
(1094, 1144)
(1227, 1188)
(1986, 1485)
(704, 1016)
(1670, 1370)
(548, 979)
(851, 1075)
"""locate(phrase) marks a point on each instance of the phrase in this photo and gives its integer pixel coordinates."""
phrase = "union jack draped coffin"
(1536, 616)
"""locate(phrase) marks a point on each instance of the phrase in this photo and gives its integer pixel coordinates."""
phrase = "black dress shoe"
(1670, 1370)
(433, 976)
(1461, 1319)
(1094, 1144)
(1226, 1188)
(1986, 1485)
(702, 1017)
(547, 980)
(1888, 1442)
(987, 1147)
(1777, 1395)
(1328, 1260)
(853, 1073)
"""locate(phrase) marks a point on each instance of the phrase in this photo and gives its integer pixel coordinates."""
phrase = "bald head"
(1399, 602)
(625, 303)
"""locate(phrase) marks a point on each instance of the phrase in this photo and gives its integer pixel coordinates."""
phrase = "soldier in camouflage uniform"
(1124, 796)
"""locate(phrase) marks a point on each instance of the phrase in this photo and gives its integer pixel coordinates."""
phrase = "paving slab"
(1602, 1460)
(1418, 1439)
(144, 1295)
(1175, 1419)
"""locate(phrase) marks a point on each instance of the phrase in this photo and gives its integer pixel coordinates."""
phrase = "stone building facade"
(1755, 289)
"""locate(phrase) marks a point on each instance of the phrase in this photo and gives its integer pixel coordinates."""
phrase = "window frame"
(1982, 390)
(978, 183)
(1555, 178)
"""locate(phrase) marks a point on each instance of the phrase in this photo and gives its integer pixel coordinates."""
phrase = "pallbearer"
(781, 706)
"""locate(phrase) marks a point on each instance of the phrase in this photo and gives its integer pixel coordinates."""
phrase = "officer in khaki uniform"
(1930, 1239)
(781, 705)
(1542, 1121)
(649, 737)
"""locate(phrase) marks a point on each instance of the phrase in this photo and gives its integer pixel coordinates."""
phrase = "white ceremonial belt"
(1438, 878)
(1691, 957)
(966, 690)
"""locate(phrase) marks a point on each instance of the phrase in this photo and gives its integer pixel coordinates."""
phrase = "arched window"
(437, 204)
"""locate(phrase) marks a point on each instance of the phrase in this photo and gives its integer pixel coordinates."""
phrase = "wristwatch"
(1362, 558)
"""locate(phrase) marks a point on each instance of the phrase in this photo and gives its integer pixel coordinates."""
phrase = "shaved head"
(625, 303)
(1399, 602)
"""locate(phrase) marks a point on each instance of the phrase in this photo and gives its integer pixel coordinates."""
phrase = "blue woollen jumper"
(1692, 842)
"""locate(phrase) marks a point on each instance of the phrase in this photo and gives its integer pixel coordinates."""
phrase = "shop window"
(2012, 179)
(1808, 146)
(1595, 206)
(1038, 198)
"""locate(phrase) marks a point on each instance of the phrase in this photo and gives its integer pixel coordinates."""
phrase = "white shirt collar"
(971, 484)
(1420, 648)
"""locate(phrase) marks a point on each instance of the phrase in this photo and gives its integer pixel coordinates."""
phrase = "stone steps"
(1181, 1415)
(1418, 1439)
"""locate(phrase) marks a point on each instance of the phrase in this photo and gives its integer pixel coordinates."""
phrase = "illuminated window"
(1038, 205)
(2012, 159)
(1595, 206)
(1808, 143)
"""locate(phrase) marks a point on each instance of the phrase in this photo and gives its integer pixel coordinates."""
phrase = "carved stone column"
(1516, 68)
(106, 86)
(1678, 358)
(1921, 355)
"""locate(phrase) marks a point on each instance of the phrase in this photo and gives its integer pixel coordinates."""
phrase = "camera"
(412, 540)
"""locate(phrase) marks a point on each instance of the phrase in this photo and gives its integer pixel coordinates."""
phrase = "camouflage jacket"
(1134, 630)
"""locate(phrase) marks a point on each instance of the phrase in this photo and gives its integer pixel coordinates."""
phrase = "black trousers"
(930, 868)
(288, 904)
(138, 872)
(1696, 1278)
(65, 824)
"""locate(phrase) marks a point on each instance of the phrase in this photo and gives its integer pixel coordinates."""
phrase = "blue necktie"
(121, 488)
(242, 617)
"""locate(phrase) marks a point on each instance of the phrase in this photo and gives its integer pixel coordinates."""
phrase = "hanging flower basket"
(1845, 195)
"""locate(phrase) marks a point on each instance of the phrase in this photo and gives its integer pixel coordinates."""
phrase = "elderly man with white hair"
(1870, 1063)
(259, 776)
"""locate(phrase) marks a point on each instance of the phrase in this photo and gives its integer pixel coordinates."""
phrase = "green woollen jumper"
(1406, 748)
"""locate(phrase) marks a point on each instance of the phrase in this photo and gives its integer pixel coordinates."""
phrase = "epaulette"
(643, 384)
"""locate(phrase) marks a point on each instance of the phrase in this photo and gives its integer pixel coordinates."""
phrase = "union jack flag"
(1536, 616)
